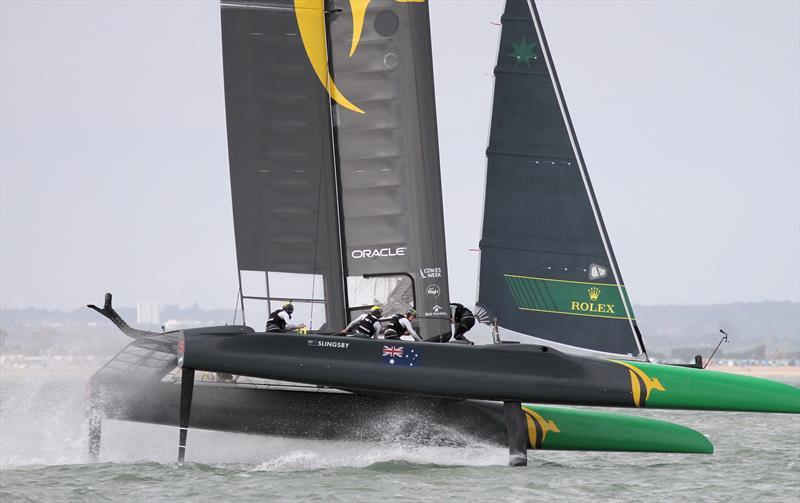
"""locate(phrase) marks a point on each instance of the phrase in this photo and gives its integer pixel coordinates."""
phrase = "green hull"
(554, 428)
(671, 387)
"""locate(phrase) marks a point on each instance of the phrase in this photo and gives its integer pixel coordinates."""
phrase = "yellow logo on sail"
(641, 384)
(592, 306)
(310, 16)
(538, 427)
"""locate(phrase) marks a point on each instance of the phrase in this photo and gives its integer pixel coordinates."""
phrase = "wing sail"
(388, 160)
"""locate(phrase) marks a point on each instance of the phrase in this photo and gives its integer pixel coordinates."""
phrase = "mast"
(338, 184)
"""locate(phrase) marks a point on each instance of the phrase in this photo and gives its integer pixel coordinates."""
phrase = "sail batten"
(547, 267)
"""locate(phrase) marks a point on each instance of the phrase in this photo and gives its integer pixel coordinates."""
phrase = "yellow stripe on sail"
(311, 22)
(359, 10)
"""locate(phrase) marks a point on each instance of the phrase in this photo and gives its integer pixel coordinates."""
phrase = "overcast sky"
(114, 171)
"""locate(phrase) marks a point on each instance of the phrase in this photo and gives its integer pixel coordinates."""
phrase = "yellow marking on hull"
(635, 389)
(544, 424)
(649, 383)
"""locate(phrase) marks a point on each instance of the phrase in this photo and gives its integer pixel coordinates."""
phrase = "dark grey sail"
(280, 149)
(387, 157)
(547, 266)
(334, 156)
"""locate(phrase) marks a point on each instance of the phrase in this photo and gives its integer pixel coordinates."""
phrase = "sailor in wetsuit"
(367, 325)
(463, 319)
(400, 324)
(279, 320)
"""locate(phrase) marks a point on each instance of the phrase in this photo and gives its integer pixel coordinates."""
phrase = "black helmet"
(376, 311)
(288, 307)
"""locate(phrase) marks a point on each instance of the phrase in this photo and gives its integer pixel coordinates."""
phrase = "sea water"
(43, 457)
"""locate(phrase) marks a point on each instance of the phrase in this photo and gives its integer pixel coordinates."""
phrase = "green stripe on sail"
(518, 296)
(600, 300)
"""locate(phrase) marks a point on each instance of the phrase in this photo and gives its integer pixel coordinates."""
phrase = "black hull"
(504, 372)
(518, 372)
(322, 416)
(139, 385)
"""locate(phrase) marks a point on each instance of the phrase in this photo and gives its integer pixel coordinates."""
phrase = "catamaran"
(336, 190)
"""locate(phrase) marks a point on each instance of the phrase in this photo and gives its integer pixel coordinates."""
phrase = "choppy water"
(43, 458)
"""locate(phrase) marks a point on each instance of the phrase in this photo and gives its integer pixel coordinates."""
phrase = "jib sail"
(547, 266)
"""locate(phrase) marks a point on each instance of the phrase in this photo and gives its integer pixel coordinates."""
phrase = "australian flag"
(400, 356)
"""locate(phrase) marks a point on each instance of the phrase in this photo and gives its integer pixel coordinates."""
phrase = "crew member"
(279, 320)
(463, 319)
(400, 324)
(367, 325)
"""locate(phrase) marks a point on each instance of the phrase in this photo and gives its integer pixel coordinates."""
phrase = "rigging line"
(582, 169)
(236, 307)
(316, 257)
(241, 295)
(269, 302)
(316, 245)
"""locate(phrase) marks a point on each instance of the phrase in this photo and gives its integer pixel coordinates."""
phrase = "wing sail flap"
(280, 150)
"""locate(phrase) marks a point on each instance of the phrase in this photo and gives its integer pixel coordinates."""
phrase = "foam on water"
(43, 423)
(361, 456)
